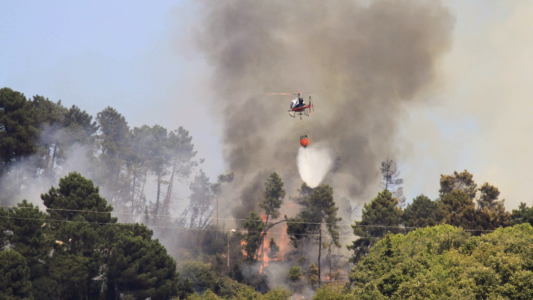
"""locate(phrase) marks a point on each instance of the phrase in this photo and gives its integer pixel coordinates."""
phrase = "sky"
(125, 54)
(139, 57)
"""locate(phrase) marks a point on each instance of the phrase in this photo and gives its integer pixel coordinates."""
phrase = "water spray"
(314, 163)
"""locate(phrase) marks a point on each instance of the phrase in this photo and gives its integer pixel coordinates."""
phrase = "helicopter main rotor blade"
(280, 94)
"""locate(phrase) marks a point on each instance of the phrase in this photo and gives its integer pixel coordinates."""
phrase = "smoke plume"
(364, 59)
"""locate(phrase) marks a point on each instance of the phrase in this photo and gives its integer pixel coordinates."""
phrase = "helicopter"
(298, 105)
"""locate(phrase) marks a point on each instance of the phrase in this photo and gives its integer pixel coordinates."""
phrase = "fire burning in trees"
(243, 243)
(263, 254)
(282, 242)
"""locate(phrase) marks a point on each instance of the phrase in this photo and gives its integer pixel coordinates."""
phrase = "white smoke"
(314, 162)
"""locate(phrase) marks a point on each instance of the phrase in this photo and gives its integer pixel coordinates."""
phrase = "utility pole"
(233, 230)
(216, 234)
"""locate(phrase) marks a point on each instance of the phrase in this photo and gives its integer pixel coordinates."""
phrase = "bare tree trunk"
(166, 205)
(319, 252)
(54, 156)
(158, 192)
(133, 192)
(263, 242)
(201, 214)
(216, 234)
(329, 254)
(142, 189)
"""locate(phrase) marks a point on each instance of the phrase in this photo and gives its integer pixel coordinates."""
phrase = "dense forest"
(90, 211)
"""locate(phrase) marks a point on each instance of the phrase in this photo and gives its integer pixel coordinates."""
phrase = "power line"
(153, 226)
(165, 216)
(312, 223)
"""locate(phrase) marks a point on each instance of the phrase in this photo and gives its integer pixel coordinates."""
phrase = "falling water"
(314, 162)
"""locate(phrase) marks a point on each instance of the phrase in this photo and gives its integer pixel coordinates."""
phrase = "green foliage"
(490, 218)
(201, 275)
(246, 293)
(273, 199)
(488, 197)
(185, 288)
(72, 254)
(73, 198)
(201, 200)
(332, 292)
(381, 211)
(208, 295)
(318, 209)
(313, 276)
(14, 276)
(274, 249)
(82, 236)
(323, 210)
(71, 272)
(76, 249)
(379, 216)
(114, 140)
(457, 205)
(18, 128)
(140, 266)
(253, 238)
(295, 273)
(29, 227)
(298, 280)
(277, 294)
(228, 288)
(299, 228)
(458, 209)
(458, 181)
(445, 262)
(274, 194)
(421, 213)
(523, 214)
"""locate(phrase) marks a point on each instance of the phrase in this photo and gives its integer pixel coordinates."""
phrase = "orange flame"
(243, 243)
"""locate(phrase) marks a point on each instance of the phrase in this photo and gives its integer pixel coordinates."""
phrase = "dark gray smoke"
(365, 59)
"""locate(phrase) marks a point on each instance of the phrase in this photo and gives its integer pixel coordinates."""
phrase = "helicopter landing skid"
(292, 114)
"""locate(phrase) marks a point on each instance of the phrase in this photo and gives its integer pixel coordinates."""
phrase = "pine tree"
(18, 128)
(254, 226)
(274, 249)
(379, 216)
(29, 228)
(488, 197)
(458, 181)
(114, 142)
(458, 209)
(391, 180)
(201, 201)
(422, 212)
(83, 239)
(273, 199)
(159, 161)
(75, 196)
(140, 266)
(14, 276)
